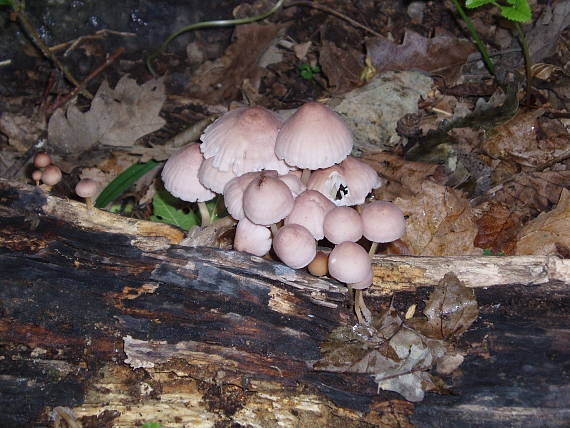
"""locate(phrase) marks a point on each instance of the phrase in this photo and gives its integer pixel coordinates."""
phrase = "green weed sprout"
(308, 71)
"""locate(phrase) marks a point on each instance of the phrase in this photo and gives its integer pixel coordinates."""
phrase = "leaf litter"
(401, 354)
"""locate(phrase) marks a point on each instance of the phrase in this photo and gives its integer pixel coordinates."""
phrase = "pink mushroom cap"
(212, 178)
(51, 175)
(233, 192)
(252, 238)
(314, 137)
(342, 224)
(86, 188)
(267, 200)
(180, 175)
(309, 211)
(382, 221)
(295, 246)
(243, 140)
(349, 263)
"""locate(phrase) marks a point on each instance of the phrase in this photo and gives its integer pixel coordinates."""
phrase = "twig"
(38, 41)
(85, 81)
(72, 44)
(335, 13)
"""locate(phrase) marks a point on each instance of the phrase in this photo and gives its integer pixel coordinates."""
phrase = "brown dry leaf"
(404, 178)
(117, 117)
(220, 81)
(418, 53)
(440, 222)
(517, 141)
(548, 232)
(528, 194)
(498, 225)
(450, 310)
(341, 67)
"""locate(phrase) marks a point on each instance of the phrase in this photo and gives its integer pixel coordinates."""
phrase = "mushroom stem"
(362, 312)
(89, 203)
(274, 229)
(305, 176)
(204, 214)
(373, 249)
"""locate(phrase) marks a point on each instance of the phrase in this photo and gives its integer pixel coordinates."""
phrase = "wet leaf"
(450, 310)
(117, 117)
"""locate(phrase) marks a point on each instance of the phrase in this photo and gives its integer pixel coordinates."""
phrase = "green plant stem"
(476, 38)
(527, 60)
(207, 24)
(35, 37)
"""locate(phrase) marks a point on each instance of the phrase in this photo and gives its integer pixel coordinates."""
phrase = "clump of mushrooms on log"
(291, 184)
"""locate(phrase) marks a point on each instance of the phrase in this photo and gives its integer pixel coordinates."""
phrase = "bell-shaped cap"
(243, 140)
(314, 137)
(180, 175)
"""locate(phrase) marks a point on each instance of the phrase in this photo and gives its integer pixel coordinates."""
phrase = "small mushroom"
(309, 211)
(267, 200)
(37, 176)
(295, 246)
(41, 160)
(87, 188)
(252, 238)
(180, 177)
(319, 265)
(342, 224)
(51, 175)
(382, 222)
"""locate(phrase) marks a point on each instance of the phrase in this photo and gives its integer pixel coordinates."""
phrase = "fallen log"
(105, 321)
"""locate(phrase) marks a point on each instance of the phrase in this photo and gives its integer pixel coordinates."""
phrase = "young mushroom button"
(267, 200)
(295, 246)
(382, 222)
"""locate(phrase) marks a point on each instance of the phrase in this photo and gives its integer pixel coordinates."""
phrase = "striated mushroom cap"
(314, 137)
(243, 140)
(212, 178)
(294, 183)
(295, 246)
(346, 184)
(180, 175)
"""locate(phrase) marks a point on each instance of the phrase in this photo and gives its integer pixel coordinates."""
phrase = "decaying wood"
(104, 317)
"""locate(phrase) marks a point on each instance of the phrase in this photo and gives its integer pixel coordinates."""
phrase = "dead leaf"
(517, 141)
(117, 117)
(418, 53)
(528, 194)
(440, 221)
(341, 67)
(221, 80)
(497, 226)
(404, 178)
(396, 355)
(549, 231)
(450, 310)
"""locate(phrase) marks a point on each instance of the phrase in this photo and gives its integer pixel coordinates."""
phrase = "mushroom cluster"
(47, 173)
(296, 174)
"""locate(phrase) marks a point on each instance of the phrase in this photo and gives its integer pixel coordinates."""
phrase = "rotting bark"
(102, 314)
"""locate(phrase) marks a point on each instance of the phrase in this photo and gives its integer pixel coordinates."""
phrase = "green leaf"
(123, 181)
(151, 425)
(165, 211)
(519, 11)
(487, 252)
(6, 3)
(472, 4)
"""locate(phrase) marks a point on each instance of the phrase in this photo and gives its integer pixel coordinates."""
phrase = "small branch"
(32, 33)
(334, 13)
(85, 81)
